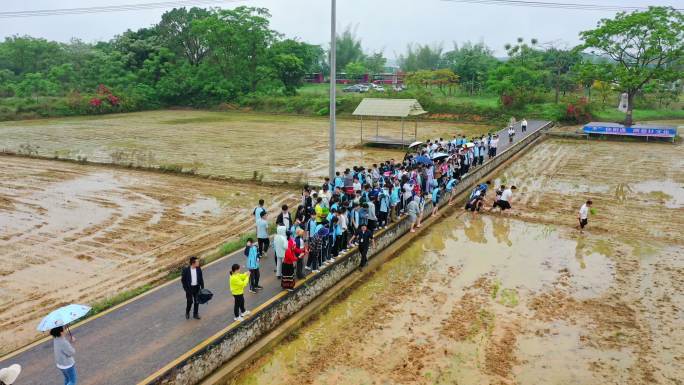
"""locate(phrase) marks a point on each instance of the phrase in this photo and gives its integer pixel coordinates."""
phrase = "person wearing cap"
(9, 374)
(64, 355)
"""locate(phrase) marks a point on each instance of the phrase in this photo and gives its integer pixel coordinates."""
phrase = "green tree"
(355, 69)
(472, 63)
(522, 79)
(136, 46)
(35, 84)
(421, 78)
(523, 53)
(375, 63)
(421, 57)
(517, 84)
(6, 83)
(604, 90)
(64, 75)
(25, 54)
(559, 63)
(239, 40)
(175, 32)
(349, 48)
(311, 55)
(644, 46)
(290, 70)
(445, 79)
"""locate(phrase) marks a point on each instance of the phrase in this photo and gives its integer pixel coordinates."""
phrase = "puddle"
(526, 256)
(669, 193)
(202, 206)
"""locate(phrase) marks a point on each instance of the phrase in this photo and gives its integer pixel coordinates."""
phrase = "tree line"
(202, 57)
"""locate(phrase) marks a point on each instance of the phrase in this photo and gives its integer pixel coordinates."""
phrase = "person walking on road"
(511, 134)
(253, 260)
(364, 238)
(64, 355)
(523, 125)
(191, 278)
(262, 234)
(493, 145)
(583, 216)
(238, 281)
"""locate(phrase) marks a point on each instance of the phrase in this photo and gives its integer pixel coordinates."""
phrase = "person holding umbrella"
(57, 322)
(64, 354)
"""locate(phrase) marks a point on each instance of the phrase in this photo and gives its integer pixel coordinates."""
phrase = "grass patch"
(617, 116)
(107, 303)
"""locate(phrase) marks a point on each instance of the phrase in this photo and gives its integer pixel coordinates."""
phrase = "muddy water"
(497, 300)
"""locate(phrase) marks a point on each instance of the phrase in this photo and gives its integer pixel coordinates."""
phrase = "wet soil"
(72, 233)
(231, 144)
(520, 298)
(637, 188)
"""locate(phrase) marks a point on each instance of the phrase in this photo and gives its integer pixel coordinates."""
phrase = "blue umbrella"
(422, 160)
(63, 316)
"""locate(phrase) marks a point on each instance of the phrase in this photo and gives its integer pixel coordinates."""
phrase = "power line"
(554, 5)
(170, 4)
(110, 8)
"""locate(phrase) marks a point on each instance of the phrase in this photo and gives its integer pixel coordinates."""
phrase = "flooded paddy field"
(231, 144)
(521, 298)
(637, 188)
(75, 233)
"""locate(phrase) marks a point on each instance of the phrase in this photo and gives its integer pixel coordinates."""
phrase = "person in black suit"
(191, 278)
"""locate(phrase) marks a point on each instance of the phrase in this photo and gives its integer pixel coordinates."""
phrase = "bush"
(577, 110)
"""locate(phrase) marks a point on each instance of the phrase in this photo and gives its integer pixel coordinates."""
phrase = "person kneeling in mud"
(476, 199)
(504, 201)
(476, 202)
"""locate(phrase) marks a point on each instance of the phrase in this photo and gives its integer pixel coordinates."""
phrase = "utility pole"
(333, 88)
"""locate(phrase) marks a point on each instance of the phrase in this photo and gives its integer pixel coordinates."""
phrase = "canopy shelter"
(390, 108)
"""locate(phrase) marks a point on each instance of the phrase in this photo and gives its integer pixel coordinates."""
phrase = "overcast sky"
(386, 25)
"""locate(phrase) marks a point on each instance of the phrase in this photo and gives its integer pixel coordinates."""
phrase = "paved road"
(127, 345)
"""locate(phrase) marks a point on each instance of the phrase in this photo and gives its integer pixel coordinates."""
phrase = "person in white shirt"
(583, 216)
(504, 202)
(511, 134)
(523, 125)
(493, 145)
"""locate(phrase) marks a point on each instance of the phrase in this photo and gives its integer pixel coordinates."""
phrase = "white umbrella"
(439, 155)
(63, 316)
(469, 145)
(415, 144)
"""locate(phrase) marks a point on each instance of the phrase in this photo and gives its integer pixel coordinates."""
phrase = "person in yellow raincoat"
(238, 281)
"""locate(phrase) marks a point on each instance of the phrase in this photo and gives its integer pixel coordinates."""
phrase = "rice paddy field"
(522, 297)
(229, 144)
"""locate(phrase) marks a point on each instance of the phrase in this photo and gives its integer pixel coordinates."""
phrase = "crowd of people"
(346, 211)
(342, 213)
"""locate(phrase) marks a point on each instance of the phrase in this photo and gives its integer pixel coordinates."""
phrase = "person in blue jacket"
(253, 264)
